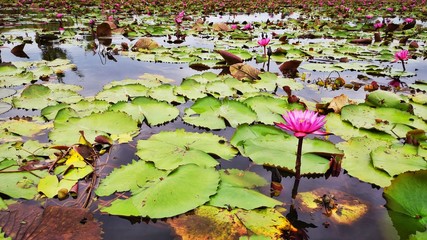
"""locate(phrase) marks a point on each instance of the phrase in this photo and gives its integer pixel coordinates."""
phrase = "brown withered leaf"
(361, 41)
(391, 27)
(104, 29)
(229, 58)
(339, 102)
(409, 25)
(199, 66)
(18, 51)
(30, 222)
(289, 67)
(145, 43)
(220, 27)
(208, 223)
(244, 71)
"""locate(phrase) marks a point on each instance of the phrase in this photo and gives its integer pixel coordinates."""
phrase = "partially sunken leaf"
(212, 113)
(182, 190)
(168, 150)
(130, 177)
(23, 127)
(357, 160)
(406, 202)
(239, 178)
(265, 222)
(349, 209)
(208, 223)
(115, 123)
(20, 184)
(398, 159)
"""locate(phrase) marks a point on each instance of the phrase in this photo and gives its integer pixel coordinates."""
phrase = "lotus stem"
(403, 65)
(298, 160)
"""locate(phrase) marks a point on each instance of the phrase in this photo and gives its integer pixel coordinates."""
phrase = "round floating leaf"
(384, 119)
(39, 96)
(20, 184)
(245, 132)
(280, 151)
(165, 92)
(17, 79)
(122, 93)
(4, 107)
(357, 160)
(154, 111)
(129, 178)
(191, 89)
(398, 159)
(82, 108)
(346, 131)
(66, 131)
(406, 202)
(182, 190)
(386, 99)
(168, 150)
(23, 127)
(269, 109)
(239, 178)
(239, 197)
(211, 113)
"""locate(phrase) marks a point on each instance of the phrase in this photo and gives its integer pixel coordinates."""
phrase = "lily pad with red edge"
(406, 202)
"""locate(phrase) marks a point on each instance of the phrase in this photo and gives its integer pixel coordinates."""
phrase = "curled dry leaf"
(339, 102)
(244, 71)
(145, 43)
(362, 41)
(289, 67)
(104, 29)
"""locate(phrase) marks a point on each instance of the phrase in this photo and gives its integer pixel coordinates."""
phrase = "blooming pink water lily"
(378, 25)
(303, 123)
(409, 20)
(59, 15)
(247, 27)
(264, 42)
(401, 55)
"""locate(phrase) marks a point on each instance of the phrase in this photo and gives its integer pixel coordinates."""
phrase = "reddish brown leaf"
(18, 51)
(104, 29)
(362, 41)
(229, 58)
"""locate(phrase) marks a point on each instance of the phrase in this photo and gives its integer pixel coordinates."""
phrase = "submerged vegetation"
(207, 127)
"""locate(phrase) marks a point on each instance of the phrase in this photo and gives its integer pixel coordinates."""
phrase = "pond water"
(94, 71)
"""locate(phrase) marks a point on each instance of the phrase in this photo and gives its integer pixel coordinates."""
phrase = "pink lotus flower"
(264, 42)
(409, 20)
(234, 27)
(59, 15)
(369, 16)
(247, 27)
(401, 55)
(181, 14)
(303, 123)
(378, 25)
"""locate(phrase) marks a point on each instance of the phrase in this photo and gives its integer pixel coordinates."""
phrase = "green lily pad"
(398, 159)
(212, 113)
(17, 79)
(270, 109)
(182, 190)
(358, 163)
(122, 93)
(117, 124)
(406, 202)
(20, 184)
(39, 96)
(155, 112)
(386, 99)
(23, 127)
(191, 89)
(165, 92)
(129, 178)
(168, 150)
(83, 108)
